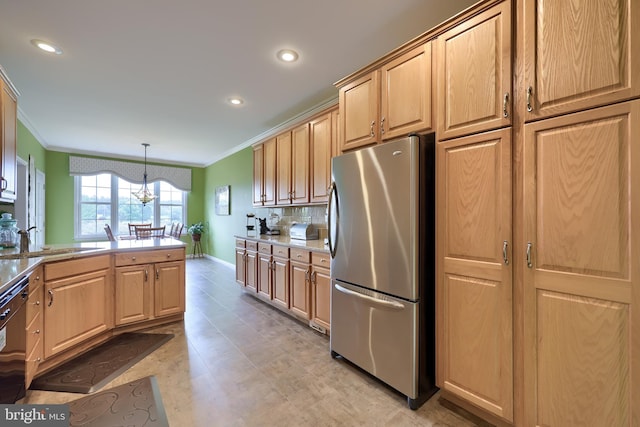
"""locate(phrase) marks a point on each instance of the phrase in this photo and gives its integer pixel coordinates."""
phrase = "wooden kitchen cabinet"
(264, 270)
(581, 276)
(8, 139)
(597, 62)
(322, 132)
(241, 264)
(474, 341)
(388, 102)
(35, 330)
(475, 70)
(300, 283)
(149, 284)
(264, 173)
(320, 278)
(280, 276)
(292, 166)
(251, 266)
(78, 301)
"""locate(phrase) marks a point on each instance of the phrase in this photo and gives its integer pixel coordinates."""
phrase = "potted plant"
(196, 231)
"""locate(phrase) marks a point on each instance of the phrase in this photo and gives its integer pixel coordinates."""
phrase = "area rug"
(135, 404)
(91, 371)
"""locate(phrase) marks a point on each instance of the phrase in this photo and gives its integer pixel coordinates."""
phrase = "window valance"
(131, 171)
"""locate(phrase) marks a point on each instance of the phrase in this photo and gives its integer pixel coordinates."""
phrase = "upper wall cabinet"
(264, 173)
(322, 131)
(292, 166)
(474, 74)
(388, 102)
(578, 57)
(8, 139)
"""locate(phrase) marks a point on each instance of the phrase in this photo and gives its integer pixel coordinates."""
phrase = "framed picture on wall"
(222, 200)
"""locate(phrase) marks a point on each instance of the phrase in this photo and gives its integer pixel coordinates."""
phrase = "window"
(107, 199)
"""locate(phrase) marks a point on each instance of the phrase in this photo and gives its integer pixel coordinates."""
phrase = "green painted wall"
(28, 145)
(236, 171)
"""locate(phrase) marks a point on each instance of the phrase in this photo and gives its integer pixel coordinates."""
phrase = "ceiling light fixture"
(144, 195)
(46, 46)
(287, 55)
(236, 101)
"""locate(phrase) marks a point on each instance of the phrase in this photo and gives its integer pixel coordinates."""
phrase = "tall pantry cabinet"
(579, 203)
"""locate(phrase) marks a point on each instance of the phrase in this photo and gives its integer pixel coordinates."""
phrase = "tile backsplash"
(285, 216)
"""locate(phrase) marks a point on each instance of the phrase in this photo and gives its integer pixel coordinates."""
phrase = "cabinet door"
(474, 285)
(77, 308)
(133, 293)
(320, 139)
(258, 174)
(8, 137)
(169, 288)
(474, 79)
(300, 164)
(269, 173)
(252, 270)
(264, 275)
(406, 94)
(280, 280)
(283, 169)
(582, 279)
(596, 63)
(321, 313)
(359, 102)
(241, 273)
(299, 285)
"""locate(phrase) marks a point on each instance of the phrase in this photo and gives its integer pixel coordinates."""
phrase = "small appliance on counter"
(273, 227)
(8, 231)
(251, 225)
(301, 231)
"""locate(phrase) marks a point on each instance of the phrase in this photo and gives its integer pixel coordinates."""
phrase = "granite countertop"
(12, 270)
(312, 245)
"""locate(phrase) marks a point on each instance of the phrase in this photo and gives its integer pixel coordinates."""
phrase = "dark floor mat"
(135, 404)
(92, 370)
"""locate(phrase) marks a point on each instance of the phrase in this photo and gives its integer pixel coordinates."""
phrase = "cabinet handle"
(371, 132)
(306, 276)
(313, 277)
(50, 292)
(157, 274)
(382, 126)
(529, 263)
(505, 101)
(146, 275)
(505, 245)
(3, 183)
(529, 93)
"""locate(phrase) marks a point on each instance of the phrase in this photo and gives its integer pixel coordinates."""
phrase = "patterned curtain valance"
(132, 172)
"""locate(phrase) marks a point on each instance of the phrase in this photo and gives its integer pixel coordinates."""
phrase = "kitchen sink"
(44, 252)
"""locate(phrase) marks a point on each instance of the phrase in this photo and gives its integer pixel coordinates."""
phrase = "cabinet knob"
(37, 331)
(37, 277)
(38, 359)
(168, 255)
(133, 258)
(37, 303)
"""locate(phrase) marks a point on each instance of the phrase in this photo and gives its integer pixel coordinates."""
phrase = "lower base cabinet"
(148, 286)
(35, 330)
(295, 280)
(78, 301)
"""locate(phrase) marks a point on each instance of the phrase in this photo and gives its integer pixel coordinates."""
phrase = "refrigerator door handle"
(384, 303)
(332, 194)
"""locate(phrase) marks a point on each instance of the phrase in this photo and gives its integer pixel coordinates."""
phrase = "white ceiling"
(161, 71)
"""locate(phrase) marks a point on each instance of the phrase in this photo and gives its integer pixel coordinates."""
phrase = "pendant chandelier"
(144, 195)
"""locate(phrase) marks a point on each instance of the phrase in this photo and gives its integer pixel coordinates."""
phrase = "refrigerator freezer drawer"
(378, 333)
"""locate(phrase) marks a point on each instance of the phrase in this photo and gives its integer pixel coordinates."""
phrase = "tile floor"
(235, 361)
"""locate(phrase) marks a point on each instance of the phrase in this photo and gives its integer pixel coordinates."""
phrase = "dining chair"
(149, 232)
(176, 230)
(132, 228)
(110, 236)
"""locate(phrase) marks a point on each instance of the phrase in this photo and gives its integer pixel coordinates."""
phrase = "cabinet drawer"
(33, 361)
(34, 304)
(252, 245)
(280, 251)
(76, 267)
(149, 257)
(264, 248)
(241, 243)
(320, 259)
(300, 255)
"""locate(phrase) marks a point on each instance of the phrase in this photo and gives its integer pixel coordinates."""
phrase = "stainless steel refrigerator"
(381, 237)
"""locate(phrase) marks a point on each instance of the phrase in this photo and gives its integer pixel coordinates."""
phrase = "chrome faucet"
(24, 240)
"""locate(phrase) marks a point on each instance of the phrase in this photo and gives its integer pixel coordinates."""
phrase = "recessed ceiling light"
(287, 55)
(236, 101)
(46, 46)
